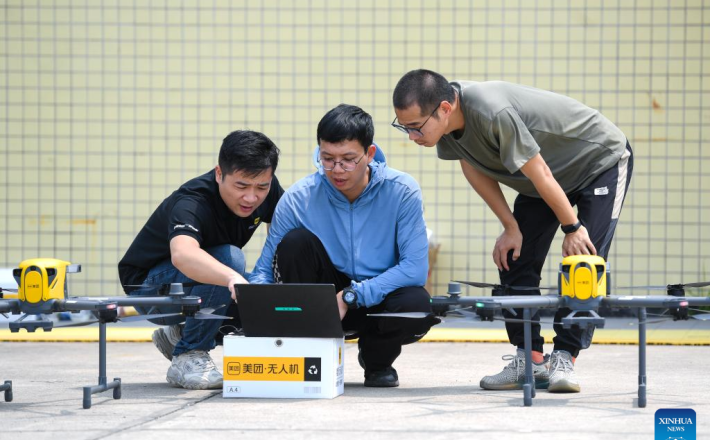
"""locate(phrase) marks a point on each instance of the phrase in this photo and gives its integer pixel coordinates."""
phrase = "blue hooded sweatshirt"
(379, 241)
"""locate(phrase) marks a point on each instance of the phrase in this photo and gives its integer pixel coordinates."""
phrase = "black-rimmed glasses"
(345, 164)
(416, 130)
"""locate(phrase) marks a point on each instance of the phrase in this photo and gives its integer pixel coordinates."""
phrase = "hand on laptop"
(235, 279)
(342, 307)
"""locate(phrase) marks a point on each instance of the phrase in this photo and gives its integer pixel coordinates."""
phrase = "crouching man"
(196, 235)
(359, 225)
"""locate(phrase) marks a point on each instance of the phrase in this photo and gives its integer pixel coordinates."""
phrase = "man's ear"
(371, 150)
(446, 108)
(218, 174)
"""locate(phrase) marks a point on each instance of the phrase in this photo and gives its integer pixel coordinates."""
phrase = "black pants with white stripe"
(302, 258)
(598, 208)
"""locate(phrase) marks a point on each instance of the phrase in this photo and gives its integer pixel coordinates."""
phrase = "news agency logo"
(672, 424)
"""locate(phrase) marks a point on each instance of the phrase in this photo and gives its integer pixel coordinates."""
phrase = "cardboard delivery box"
(283, 367)
(293, 346)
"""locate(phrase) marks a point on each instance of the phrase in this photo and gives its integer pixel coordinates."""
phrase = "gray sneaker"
(166, 338)
(513, 375)
(194, 370)
(562, 377)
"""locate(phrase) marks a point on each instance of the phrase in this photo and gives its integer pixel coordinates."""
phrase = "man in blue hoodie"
(359, 225)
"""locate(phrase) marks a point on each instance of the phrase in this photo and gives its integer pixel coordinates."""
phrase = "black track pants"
(301, 258)
(598, 208)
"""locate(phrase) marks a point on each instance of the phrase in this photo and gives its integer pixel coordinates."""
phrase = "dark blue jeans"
(199, 334)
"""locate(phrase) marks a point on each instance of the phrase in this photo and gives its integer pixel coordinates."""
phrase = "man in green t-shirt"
(556, 153)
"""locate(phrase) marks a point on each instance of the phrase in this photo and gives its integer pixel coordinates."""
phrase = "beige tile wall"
(107, 106)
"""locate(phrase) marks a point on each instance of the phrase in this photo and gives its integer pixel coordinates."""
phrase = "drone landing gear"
(642, 357)
(7, 388)
(529, 385)
(103, 385)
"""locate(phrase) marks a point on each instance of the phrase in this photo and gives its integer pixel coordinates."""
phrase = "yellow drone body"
(42, 279)
(583, 277)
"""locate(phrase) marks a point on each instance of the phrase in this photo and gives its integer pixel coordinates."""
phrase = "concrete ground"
(439, 397)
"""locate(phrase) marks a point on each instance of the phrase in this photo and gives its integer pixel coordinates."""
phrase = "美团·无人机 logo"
(672, 424)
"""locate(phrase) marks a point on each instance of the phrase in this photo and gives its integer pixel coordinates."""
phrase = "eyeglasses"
(345, 164)
(417, 130)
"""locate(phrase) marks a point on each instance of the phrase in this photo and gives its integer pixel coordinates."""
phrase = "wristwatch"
(350, 298)
(568, 229)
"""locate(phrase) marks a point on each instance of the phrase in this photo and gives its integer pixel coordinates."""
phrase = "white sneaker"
(562, 377)
(194, 370)
(166, 338)
(513, 375)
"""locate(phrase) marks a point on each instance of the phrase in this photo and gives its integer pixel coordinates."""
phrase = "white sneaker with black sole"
(562, 376)
(166, 338)
(194, 370)
(513, 375)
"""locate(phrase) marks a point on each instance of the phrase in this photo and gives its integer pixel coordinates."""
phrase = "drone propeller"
(136, 318)
(505, 286)
(160, 286)
(665, 316)
(411, 315)
(77, 324)
(212, 309)
(5, 289)
(198, 315)
(464, 312)
(205, 313)
(669, 286)
(482, 285)
(700, 284)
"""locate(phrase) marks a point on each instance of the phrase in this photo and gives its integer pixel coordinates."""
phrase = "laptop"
(289, 310)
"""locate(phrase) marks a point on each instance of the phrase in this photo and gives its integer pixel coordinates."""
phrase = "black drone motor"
(486, 314)
(109, 313)
(679, 313)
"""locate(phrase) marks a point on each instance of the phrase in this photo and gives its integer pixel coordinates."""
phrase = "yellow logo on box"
(280, 369)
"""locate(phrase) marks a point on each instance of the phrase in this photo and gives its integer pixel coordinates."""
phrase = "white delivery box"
(274, 367)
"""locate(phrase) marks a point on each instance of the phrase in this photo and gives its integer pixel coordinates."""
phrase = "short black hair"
(423, 87)
(346, 123)
(247, 151)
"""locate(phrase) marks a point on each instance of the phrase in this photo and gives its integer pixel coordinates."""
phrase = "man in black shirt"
(196, 234)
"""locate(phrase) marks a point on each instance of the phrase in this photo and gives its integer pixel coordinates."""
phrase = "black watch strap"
(568, 229)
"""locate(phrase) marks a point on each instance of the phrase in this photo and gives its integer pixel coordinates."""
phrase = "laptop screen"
(289, 310)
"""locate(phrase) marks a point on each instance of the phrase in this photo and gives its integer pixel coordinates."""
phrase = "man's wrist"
(235, 279)
(571, 229)
(350, 298)
(511, 227)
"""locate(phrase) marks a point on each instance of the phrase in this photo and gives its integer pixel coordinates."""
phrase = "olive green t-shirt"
(507, 124)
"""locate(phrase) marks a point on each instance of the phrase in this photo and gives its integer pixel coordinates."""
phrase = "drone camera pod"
(583, 277)
(42, 279)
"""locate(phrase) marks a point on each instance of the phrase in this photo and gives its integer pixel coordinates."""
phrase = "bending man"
(556, 153)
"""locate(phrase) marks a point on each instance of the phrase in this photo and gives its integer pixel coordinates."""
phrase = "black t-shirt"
(196, 209)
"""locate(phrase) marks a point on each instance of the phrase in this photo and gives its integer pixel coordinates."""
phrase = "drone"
(583, 287)
(43, 291)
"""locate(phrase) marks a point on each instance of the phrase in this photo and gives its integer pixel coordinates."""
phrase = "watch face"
(349, 297)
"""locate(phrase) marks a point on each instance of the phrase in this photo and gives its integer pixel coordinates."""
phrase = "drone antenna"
(176, 289)
(454, 289)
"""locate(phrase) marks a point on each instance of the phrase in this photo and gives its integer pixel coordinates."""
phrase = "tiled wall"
(107, 106)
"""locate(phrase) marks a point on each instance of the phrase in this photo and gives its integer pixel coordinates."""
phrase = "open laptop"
(289, 310)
